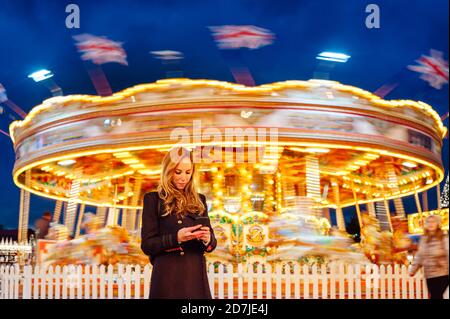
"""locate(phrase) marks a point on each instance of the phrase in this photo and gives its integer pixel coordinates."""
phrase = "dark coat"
(42, 226)
(179, 270)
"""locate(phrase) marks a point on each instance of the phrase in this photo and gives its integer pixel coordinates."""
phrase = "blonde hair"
(439, 234)
(180, 202)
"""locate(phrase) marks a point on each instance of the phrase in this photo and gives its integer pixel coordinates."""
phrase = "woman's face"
(431, 224)
(182, 173)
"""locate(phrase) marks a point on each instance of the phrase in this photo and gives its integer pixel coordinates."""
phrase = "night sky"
(33, 36)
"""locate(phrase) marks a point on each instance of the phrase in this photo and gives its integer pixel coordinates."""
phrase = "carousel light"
(150, 172)
(371, 156)
(246, 115)
(130, 161)
(317, 150)
(409, 164)
(137, 166)
(122, 154)
(67, 162)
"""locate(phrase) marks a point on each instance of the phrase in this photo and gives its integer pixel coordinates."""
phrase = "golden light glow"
(137, 166)
(150, 172)
(67, 162)
(409, 164)
(130, 161)
(415, 221)
(233, 89)
(126, 152)
(316, 150)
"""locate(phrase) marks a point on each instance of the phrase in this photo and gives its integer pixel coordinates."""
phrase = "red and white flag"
(100, 50)
(241, 36)
(434, 69)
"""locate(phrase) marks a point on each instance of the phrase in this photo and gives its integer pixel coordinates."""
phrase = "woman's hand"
(188, 233)
(204, 234)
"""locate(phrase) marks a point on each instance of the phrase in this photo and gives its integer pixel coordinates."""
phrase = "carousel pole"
(218, 187)
(101, 214)
(57, 211)
(339, 214)
(388, 212)
(19, 228)
(416, 197)
(425, 201)
(80, 220)
(269, 182)
(371, 206)
(134, 202)
(72, 205)
(111, 220)
(126, 216)
(382, 212)
(313, 180)
(246, 178)
(358, 210)
(124, 219)
(398, 203)
(443, 200)
(24, 210)
(438, 194)
(116, 211)
(287, 188)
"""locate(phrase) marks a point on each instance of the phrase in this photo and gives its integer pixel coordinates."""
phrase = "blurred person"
(42, 225)
(432, 255)
(91, 223)
(175, 241)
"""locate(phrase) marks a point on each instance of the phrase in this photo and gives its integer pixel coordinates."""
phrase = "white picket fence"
(334, 281)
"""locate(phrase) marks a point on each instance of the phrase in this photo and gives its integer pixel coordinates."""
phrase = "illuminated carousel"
(277, 162)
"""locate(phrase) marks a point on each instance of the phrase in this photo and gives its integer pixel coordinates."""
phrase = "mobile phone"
(201, 220)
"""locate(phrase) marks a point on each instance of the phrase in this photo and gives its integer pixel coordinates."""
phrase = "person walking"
(432, 255)
(42, 225)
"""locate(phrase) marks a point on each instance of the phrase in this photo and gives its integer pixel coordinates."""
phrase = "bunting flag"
(241, 36)
(10, 104)
(100, 50)
(433, 69)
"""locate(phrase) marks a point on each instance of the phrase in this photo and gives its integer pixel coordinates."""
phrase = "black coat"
(179, 270)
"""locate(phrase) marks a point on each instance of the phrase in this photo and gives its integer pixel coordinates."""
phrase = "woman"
(433, 256)
(172, 237)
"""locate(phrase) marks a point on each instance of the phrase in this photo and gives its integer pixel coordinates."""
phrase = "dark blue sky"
(33, 35)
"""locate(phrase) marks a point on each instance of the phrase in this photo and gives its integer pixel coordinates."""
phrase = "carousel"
(278, 163)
